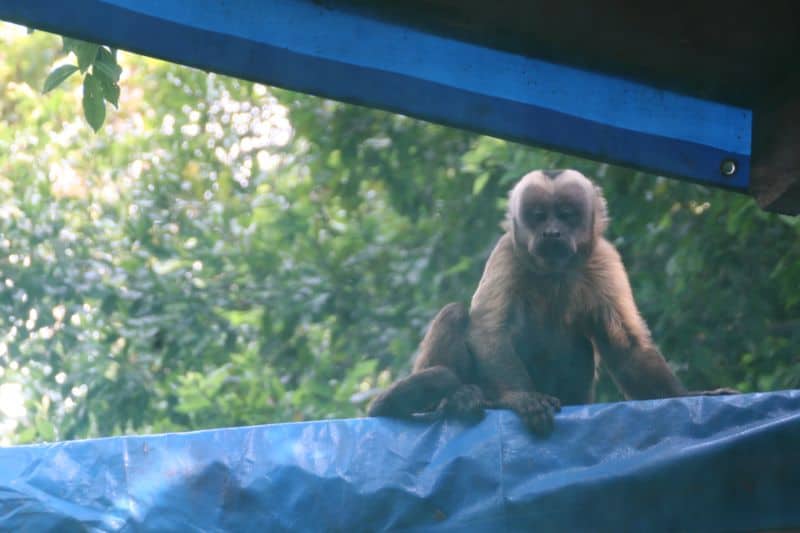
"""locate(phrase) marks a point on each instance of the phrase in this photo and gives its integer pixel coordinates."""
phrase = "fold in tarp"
(690, 464)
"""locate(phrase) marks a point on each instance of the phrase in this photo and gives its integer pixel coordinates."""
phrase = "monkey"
(554, 302)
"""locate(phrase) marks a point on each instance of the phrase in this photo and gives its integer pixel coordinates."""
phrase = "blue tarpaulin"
(690, 464)
(313, 47)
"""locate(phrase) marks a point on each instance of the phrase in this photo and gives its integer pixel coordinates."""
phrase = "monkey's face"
(552, 219)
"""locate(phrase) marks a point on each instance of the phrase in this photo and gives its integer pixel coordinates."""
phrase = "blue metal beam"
(301, 45)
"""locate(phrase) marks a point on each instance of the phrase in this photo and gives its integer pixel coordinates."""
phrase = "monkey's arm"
(622, 338)
(635, 363)
(504, 377)
(639, 369)
(494, 313)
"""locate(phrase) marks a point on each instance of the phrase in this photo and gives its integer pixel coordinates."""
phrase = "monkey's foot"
(466, 402)
(380, 407)
(536, 410)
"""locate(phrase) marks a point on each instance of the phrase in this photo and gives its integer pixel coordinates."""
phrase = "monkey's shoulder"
(497, 281)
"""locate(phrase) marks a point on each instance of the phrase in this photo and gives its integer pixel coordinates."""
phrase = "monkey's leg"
(441, 376)
(420, 392)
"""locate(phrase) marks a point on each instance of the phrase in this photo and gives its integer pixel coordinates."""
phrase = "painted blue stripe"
(303, 62)
(312, 30)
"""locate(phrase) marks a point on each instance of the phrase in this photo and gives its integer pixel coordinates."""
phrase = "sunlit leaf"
(110, 91)
(106, 65)
(57, 77)
(94, 108)
(86, 54)
(480, 182)
(69, 44)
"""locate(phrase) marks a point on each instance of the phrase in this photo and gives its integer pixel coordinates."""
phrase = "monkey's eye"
(567, 214)
(535, 216)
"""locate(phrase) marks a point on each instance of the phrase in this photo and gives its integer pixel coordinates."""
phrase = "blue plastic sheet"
(691, 464)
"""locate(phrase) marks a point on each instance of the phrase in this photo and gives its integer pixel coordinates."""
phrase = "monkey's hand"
(714, 392)
(466, 402)
(536, 410)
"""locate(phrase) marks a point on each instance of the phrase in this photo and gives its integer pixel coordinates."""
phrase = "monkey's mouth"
(554, 251)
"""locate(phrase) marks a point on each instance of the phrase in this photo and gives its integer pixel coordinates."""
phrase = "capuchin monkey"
(554, 300)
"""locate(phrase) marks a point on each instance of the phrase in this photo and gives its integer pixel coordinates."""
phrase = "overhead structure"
(708, 92)
(690, 464)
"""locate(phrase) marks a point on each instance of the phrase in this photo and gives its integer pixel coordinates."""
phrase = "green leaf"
(69, 44)
(462, 265)
(237, 318)
(106, 65)
(110, 90)
(57, 77)
(45, 429)
(479, 183)
(94, 108)
(86, 53)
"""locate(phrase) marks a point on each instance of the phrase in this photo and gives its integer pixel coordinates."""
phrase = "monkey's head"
(555, 217)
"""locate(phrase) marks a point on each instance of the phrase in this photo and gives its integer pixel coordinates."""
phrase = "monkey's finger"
(549, 423)
(542, 424)
(550, 413)
(466, 411)
(550, 401)
(554, 403)
(462, 408)
(538, 417)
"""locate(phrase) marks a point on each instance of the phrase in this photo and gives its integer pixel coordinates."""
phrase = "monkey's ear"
(600, 214)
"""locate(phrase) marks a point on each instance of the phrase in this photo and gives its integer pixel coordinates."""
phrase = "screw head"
(728, 167)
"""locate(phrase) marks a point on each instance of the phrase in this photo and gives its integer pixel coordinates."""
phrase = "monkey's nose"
(552, 234)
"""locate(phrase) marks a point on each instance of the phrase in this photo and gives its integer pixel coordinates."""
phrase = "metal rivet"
(728, 167)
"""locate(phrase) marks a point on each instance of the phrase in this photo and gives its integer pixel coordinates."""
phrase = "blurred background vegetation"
(222, 253)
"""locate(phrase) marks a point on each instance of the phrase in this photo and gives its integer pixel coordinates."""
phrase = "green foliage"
(58, 76)
(99, 86)
(223, 254)
(94, 107)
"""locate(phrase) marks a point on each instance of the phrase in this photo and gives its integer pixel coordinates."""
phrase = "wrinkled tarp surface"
(691, 464)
